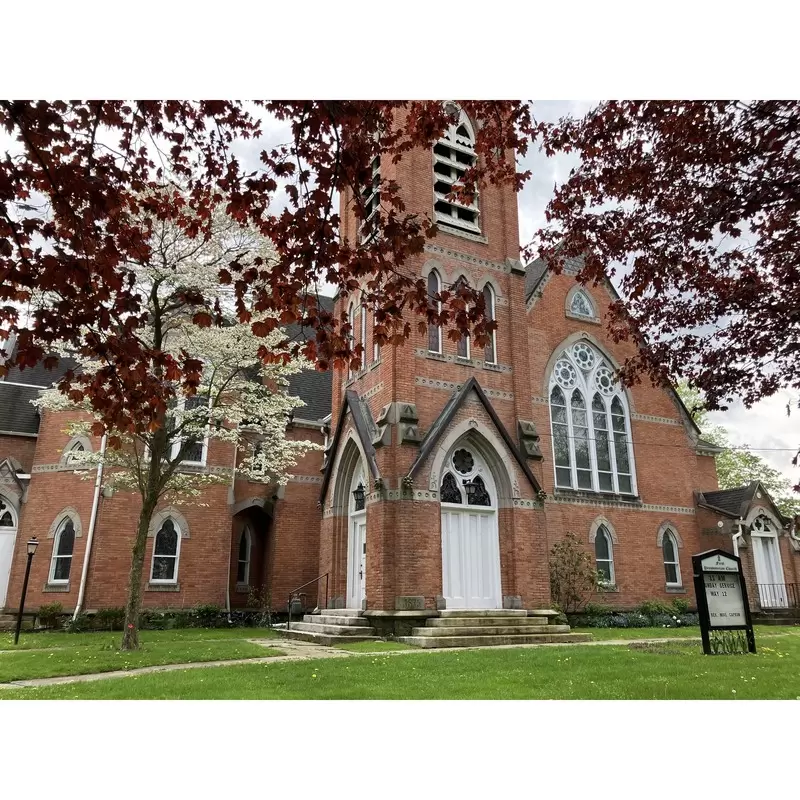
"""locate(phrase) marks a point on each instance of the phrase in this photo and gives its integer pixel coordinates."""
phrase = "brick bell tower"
(431, 427)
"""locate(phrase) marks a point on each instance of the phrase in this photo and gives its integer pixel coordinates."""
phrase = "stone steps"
(493, 641)
(342, 626)
(482, 612)
(335, 619)
(472, 622)
(491, 630)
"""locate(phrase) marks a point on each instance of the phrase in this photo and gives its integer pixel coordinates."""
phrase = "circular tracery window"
(604, 380)
(762, 525)
(565, 373)
(463, 461)
(584, 356)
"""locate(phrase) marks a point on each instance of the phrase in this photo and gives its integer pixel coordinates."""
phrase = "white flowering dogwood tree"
(236, 394)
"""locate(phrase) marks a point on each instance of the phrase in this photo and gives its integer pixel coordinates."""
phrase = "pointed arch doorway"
(470, 539)
(357, 542)
(8, 536)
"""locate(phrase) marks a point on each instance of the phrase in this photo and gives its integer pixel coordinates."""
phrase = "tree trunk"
(133, 605)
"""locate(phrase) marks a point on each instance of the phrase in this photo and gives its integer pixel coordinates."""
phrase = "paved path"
(304, 651)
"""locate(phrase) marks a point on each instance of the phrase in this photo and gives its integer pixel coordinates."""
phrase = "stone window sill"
(588, 494)
(675, 590)
(492, 367)
(608, 587)
(163, 587)
(465, 362)
(373, 365)
(56, 587)
(242, 588)
(435, 356)
(591, 320)
(473, 237)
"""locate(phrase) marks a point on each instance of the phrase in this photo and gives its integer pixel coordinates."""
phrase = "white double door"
(7, 538)
(769, 572)
(357, 560)
(470, 558)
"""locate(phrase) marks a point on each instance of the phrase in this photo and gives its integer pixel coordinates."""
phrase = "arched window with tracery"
(63, 547)
(581, 305)
(434, 331)
(166, 552)
(243, 565)
(8, 517)
(604, 555)
(465, 480)
(590, 424)
(463, 347)
(672, 567)
(490, 351)
(453, 155)
(351, 320)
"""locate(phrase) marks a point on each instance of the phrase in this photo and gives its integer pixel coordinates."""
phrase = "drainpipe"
(92, 525)
(738, 536)
(230, 544)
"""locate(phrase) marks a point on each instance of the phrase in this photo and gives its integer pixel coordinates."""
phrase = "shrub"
(110, 619)
(79, 624)
(207, 616)
(50, 615)
(652, 608)
(596, 609)
(680, 606)
(572, 574)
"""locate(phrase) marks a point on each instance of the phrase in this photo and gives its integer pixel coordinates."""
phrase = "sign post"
(725, 623)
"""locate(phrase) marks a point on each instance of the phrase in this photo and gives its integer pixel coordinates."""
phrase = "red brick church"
(449, 470)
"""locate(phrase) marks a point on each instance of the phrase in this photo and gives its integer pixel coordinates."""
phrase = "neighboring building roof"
(736, 502)
(444, 419)
(38, 375)
(17, 415)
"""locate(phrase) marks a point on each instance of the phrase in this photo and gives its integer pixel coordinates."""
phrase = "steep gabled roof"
(736, 502)
(352, 402)
(446, 417)
(17, 415)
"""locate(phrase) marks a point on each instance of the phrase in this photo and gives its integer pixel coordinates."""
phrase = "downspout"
(228, 576)
(92, 525)
(736, 537)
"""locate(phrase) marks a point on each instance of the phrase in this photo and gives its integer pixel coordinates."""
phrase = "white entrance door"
(769, 572)
(357, 561)
(470, 558)
(8, 536)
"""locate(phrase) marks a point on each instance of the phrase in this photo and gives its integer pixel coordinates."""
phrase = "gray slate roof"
(732, 501)
(17, 415)
(537, 269)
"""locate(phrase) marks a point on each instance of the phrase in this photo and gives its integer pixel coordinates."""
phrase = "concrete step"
(336, 630)
(328, 640)
(474, 622)
(343, 612)
(493, 641)
(493, 630)
(331, 619)
(483, 612)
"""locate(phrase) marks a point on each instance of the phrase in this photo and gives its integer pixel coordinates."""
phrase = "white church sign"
(722, 603)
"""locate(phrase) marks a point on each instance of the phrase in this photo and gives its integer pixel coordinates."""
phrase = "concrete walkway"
(304, 651)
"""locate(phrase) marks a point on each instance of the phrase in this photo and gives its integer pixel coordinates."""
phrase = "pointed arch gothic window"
(463, 347)
(672, 567)
(581, 305)
(490, 351)
(371, 202)
(466, 480)
(590, 424)
(63, 547)
(434, 331)
(166, 552)
(453, 155)
(243, 565)
(604, 555)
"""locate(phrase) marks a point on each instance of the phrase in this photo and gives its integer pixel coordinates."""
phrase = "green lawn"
(51, 639)
(603, 634)
(373, 647)
(79, 654)
(667, 670)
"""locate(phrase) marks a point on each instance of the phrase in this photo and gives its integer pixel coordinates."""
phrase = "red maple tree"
(72, 192)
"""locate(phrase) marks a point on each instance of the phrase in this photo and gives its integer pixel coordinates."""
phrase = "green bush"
(50, 615)
(652, 608)
(572, 574)
(79, 624)
(109, 619)
(596, 609)
(680, 606)
(207, 616)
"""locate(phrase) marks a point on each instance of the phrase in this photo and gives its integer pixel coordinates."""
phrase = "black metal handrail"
(778, 595)
(294, 592)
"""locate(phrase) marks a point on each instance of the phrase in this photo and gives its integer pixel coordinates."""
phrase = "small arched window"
(463, 348)
(363, 335)
(453, 155)
(376, 348)
(351, 320)
(581, 305)
(63, 547)
(7, 516)
(490, 351)
(166, 552)
(243, 566)
(434, 331)
(672, 567)
(604, 555)
(71, 456)
(590, 424)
